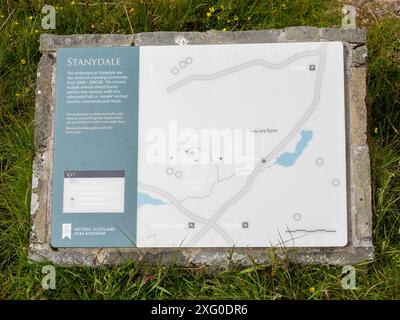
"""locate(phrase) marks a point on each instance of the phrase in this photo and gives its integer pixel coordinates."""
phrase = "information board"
(200, 146)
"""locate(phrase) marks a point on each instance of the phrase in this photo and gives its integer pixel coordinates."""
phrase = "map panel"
(242, 145)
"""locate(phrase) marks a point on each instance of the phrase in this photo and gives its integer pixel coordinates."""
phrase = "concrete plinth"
(359, 247)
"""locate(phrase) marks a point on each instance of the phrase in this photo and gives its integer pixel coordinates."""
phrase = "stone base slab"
(359, 247)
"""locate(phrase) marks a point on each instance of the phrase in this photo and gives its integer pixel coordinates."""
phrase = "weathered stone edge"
(43, 138)
(213, 257)
(49, 42)
(360, 244)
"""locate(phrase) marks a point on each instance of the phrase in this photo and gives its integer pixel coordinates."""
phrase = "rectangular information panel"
(95, 153)
(200, 146)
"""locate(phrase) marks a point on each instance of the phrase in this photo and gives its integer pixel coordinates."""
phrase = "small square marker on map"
(311, 67)
(245, 225)
(191, 225)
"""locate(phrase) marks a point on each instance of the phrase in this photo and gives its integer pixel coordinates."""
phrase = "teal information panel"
(96, 147)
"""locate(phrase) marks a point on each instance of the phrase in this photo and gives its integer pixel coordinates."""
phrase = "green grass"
(20, 279)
